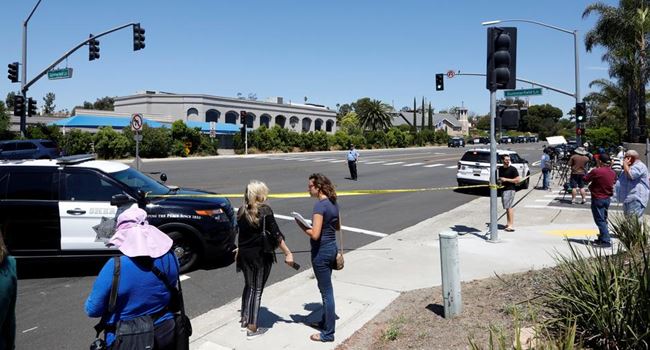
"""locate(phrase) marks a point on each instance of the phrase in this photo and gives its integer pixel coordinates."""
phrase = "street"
(51, 293)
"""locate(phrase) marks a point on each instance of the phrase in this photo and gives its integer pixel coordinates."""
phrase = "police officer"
(353, 157)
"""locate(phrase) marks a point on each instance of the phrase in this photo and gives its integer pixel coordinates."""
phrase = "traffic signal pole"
(494, 232)
(23, 79)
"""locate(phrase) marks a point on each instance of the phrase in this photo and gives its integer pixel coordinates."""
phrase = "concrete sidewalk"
(376, 274)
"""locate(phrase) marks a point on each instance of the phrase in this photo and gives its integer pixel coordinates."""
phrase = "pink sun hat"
(135, 237)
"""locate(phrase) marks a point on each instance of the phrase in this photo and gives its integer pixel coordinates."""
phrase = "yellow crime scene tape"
(289, 195)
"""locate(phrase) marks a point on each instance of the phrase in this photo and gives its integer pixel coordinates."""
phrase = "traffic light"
(581, 112)
(242, 118)
(501, 58)
(440, 82)
(19, 105)
(31, 107)
(138, 37)
(93, 49)
(13, 72)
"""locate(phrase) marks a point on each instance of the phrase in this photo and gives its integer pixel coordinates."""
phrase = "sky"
(332, 52)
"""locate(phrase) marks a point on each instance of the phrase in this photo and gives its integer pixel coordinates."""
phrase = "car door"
(29, 215)
(87, 217)
(25, 150)
(8, 150)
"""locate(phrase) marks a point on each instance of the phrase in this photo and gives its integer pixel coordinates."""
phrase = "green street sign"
(63, 73)
(523, 92)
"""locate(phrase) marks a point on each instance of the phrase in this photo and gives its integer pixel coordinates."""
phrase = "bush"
(606, 297)
(603, 137)
(42, 131)
(178, 149)
(398, 138)
(320, 141)
(110, 144)
(376, 139)
(77, 142)
(441, 137)
(208, 146)
(156, 142)
(190, 136)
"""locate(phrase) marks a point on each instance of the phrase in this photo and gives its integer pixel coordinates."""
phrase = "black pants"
(352, 164)
(255, 279)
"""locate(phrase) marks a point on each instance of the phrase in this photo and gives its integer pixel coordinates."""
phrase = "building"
(454, 124)
(168, 107)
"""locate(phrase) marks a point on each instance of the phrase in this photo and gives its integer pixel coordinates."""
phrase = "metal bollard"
(450, 269)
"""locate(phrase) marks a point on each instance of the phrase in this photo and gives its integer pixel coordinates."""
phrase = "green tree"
(110, 144)
(10, 99)
(103, 104)
(623, 31)
(48, 103)
(483, 122)
(5, 121)
(546, 111)
(374, 116)
(350, 124)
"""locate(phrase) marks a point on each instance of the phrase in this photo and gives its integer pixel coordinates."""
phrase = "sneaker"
(583, 202)
(252, 335)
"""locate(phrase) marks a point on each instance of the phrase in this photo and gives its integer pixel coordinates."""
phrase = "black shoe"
(601, 244)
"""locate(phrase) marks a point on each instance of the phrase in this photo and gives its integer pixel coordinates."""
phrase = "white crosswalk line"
(324, 160)
(377, 162)
(413, 164)
(346, 228)
(451, 167)
(338, 161)
(433, 165)
(394, 163)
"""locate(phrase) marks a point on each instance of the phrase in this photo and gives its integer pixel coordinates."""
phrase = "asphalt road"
(51, 293)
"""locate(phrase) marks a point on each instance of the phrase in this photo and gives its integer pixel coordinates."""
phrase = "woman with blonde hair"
(256, 253)
(8, 293)
(322, 234)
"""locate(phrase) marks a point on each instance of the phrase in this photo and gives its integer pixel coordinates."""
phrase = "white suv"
(474, 167)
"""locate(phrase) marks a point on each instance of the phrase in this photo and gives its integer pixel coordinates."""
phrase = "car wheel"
(186, 250)
(527, 182)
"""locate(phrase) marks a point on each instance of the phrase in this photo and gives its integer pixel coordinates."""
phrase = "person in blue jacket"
(8, 293)
(140, 291)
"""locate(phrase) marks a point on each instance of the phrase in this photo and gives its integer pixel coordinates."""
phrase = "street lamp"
(575, 50)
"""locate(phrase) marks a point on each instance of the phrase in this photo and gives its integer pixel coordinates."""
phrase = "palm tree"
(374, 116)
(624, 31)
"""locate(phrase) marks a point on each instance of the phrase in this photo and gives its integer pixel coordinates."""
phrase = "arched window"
(293, 121)
(265, 120)
(212, 115)
(306, 124)
(231, 117)
(280, 120)
(192, 112)
(328, 125)
(318, 124)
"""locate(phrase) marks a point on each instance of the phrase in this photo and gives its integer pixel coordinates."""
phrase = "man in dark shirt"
(601, 185)
(508, 178)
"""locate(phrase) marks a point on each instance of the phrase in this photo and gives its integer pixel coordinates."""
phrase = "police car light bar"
(76, 159)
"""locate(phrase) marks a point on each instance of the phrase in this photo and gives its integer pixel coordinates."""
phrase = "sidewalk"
(376, 274)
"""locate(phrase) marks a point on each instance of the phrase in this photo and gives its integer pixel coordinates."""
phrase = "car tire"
(527, 182)
(186, 249)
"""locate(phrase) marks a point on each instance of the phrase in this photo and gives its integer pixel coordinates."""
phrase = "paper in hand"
(301, 219)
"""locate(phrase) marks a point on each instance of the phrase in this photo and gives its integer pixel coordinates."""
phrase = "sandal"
(316, 337)
(509, 229)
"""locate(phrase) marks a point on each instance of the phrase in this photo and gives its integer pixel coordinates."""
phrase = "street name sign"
(64, 73)
(523, 92)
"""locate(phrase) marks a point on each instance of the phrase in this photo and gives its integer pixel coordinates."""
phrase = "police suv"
(474, 167)
(68, 207)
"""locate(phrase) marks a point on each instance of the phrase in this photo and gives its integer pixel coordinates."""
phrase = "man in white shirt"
(353, 157)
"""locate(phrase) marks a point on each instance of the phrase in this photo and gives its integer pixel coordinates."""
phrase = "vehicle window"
(31, 185)
(10, 146)
(88, 186)
(476, 157)
(140, 182)
(25, 146)
(48, 144)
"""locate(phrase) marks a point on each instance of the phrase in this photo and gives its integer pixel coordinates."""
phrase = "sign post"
(136, 125)
(213, 130)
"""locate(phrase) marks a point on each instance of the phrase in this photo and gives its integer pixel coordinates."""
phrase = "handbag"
(182, 324)
(339, 262)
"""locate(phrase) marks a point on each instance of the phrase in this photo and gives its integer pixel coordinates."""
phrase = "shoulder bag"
(339, 262)
(183, 326)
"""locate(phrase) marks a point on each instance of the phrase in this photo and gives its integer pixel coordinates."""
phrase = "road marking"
(536, 163)
(556, 196)
(305, 159)
(433, 165)
(346, 228)
(451, 167)
(337, 161)
(578, 232)
(394, 163)
(324, 160)
(413, 164)
(378, 162)
(555, 207)
(184, 277)
(29, 330)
